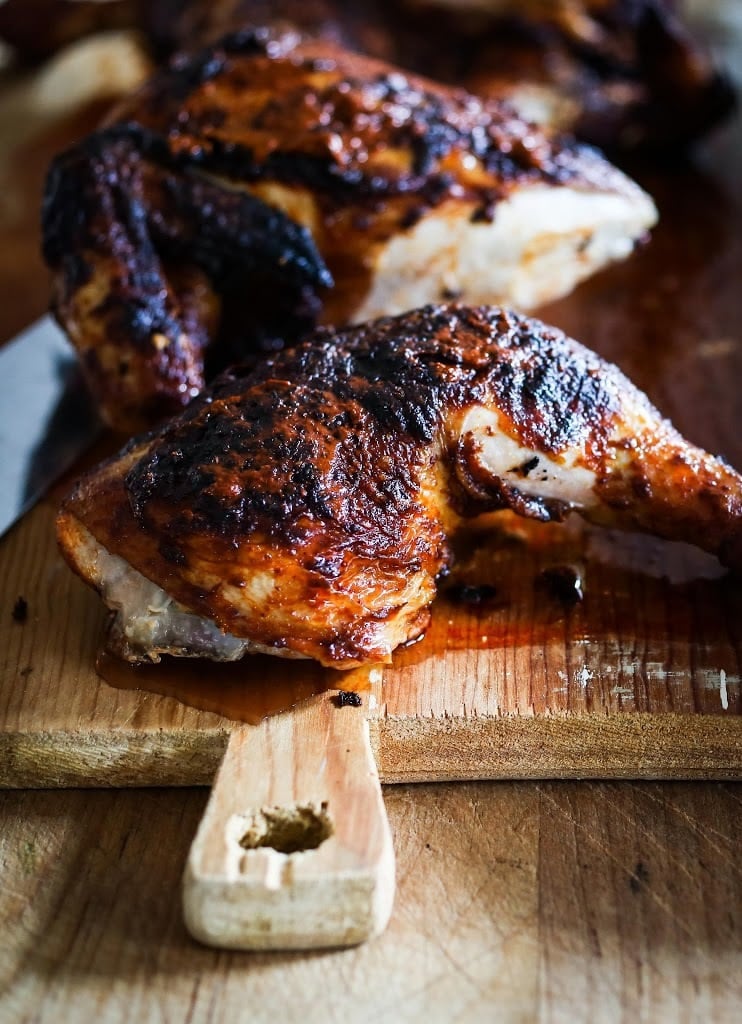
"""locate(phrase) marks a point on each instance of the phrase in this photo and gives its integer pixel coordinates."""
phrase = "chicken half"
(307, 508)
(270, 182)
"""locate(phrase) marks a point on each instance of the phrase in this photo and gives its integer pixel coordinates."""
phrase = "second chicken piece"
(269, 182)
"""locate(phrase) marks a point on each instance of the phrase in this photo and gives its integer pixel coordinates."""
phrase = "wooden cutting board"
(641, 679)
(514, 679)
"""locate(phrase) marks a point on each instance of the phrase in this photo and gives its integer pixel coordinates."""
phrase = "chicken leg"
(306, 508)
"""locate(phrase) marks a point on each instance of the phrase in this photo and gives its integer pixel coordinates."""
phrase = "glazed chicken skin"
(270, 182)
(306, 508)
(621, 74)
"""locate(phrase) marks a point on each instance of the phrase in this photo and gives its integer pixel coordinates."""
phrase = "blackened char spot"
(525, 467)
(190, 71)
(471, 593)
(172, 553)
(563, 582)
(347, 699)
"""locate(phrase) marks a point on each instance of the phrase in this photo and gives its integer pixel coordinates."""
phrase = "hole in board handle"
(287, 829)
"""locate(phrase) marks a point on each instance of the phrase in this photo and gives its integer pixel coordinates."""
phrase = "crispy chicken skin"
(269, 182)
(622, 74)
(306, 508)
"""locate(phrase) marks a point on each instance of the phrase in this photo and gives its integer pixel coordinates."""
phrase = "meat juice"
(248, 690)
(514, 584)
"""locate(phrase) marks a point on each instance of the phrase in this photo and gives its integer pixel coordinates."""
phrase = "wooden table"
(515, 901)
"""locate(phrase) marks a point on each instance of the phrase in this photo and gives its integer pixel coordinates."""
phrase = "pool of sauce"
(514, 584)
(528, 585)
(246, 691)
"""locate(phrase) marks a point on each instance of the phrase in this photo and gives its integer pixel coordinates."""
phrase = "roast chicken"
(271, 182)
(307, 507)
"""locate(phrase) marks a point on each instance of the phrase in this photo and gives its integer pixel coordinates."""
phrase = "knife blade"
(47, 416)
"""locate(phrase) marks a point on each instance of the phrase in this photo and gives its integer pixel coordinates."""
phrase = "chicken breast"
(269, 182)
(307, 508)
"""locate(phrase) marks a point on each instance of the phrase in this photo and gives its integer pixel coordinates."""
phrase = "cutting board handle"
(294, 850)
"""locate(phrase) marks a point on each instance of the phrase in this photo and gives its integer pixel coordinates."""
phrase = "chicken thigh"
(306, 508)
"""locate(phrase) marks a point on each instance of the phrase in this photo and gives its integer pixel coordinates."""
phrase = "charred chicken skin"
(622, 74)
(269, 182)
(306, 508)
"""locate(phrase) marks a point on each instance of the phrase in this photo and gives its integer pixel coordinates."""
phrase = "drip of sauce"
(246, 691)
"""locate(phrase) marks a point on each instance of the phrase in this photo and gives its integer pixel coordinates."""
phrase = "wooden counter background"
(516, 901)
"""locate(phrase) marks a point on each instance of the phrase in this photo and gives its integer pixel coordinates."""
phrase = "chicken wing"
(306, 508)
(269, 182)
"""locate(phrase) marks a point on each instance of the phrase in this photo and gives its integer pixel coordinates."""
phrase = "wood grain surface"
(516, 902)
